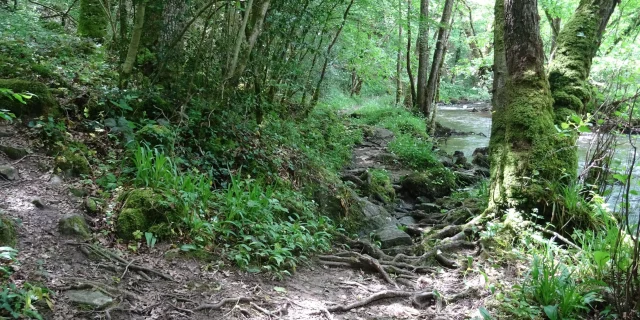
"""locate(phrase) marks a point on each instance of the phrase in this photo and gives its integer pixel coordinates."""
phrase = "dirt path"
(47, 257)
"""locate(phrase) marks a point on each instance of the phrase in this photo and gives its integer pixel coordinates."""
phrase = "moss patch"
(379, 186)
(72, 163)
(130, 221)
(42, 103)
(147, 209)
(8, 233)
(432, 184)
(74, 225)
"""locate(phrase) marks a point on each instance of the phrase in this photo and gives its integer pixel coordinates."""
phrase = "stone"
(429, 207)
(91, 206)
(14, 153)
(72, 163)
(8, 234)
(129, 221)
(407, 221)
(373, 216)
(79, 192)
(381, 136)
(432, 184)
(6, 134)
(8, 173)
(481, 160)
(38, 203)
(391, 236)
(91, 298)
(41, 103)
(467, 178)
(74, 225)
(55, 180)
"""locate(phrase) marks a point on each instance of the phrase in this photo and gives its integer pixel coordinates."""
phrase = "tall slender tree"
(423, 54)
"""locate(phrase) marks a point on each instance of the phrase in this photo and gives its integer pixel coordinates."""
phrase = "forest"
(319, 159)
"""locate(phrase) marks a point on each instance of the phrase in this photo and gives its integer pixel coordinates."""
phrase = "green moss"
(379, 186)
(130, 221)
(434, 183)
(41, 104)
(157, 136)
(91, 206)
(155, 206)
(74, 225)
(72, 163)
(93, 20)
(161, 231)
(8, 233)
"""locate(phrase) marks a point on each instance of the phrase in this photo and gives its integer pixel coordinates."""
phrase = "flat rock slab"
(8, 173)
(13, 153)
(92, 298)
(391, 236)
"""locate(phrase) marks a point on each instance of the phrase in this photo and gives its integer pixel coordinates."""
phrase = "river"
(461, 118)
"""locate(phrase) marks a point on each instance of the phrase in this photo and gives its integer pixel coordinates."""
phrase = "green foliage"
(379, 186)
(28, 98)
(19, 301)
(93, 19)
(8, 233)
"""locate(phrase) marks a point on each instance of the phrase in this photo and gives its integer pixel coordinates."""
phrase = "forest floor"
(163, 284)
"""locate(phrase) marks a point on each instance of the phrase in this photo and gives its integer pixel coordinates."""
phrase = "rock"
(428, 207)
(91, 206)
(378, 186)
(381, 136)
(73, 164)
(14, 153)
(55, 180)
(467, 177)
(432, 184)
(6, 134)
(481, 150)
(459, 159)
(482, 172)
(448, 202)
(372, 217)
(481, 160)
(129, 221)
(90, 298)
(8, 234)
(446, 161)
(74, 225)
(40, 104)
(391, 236)
(79, 192)
(144, 208)
(387, 158)
(8, 173)
(38, 203)
(407, 221)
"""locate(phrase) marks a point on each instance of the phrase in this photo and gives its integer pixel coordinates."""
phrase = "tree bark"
(132, 52)
(499, 59)
(523, 129)
(412, 84)
(316, 93)
(578, 43)
(423, 55)
(554, 22)
(399, 58)
(438, 55)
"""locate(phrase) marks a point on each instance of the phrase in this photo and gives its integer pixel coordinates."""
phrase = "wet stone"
(8, 173)
(91, 298)
(391, 236)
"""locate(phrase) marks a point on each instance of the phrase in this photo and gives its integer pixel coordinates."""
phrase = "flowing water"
(461, 118)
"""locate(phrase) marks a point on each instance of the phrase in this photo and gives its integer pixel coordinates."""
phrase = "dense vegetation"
(225, 127)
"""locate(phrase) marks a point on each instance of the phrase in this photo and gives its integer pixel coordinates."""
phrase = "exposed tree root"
(357, 260)
(88, 249)
(109, 290)
(218, 305)
(387, 294)
(446, 232)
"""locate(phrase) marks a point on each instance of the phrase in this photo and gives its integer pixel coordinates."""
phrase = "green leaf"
(620, 177)
(551, 312)
(584, 129)
(280, 289)
(188, 247)
(485, 313)
(564, 126)
(575, 118)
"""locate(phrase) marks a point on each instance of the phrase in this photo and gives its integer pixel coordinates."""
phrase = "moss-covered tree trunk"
(423, 55)
(93, 20)
(577, 45)
(523, 128)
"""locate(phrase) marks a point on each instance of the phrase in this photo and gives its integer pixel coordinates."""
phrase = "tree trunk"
(554, 22)
(523, 130)
(316, 93)
(399, 58)
(578, 43)
(438, 55)
(499, 59)
(423, 55)
(132, 52)
(412, 84)
(253, 32)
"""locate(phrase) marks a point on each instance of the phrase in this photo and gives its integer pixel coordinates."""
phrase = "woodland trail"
(163, 284)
